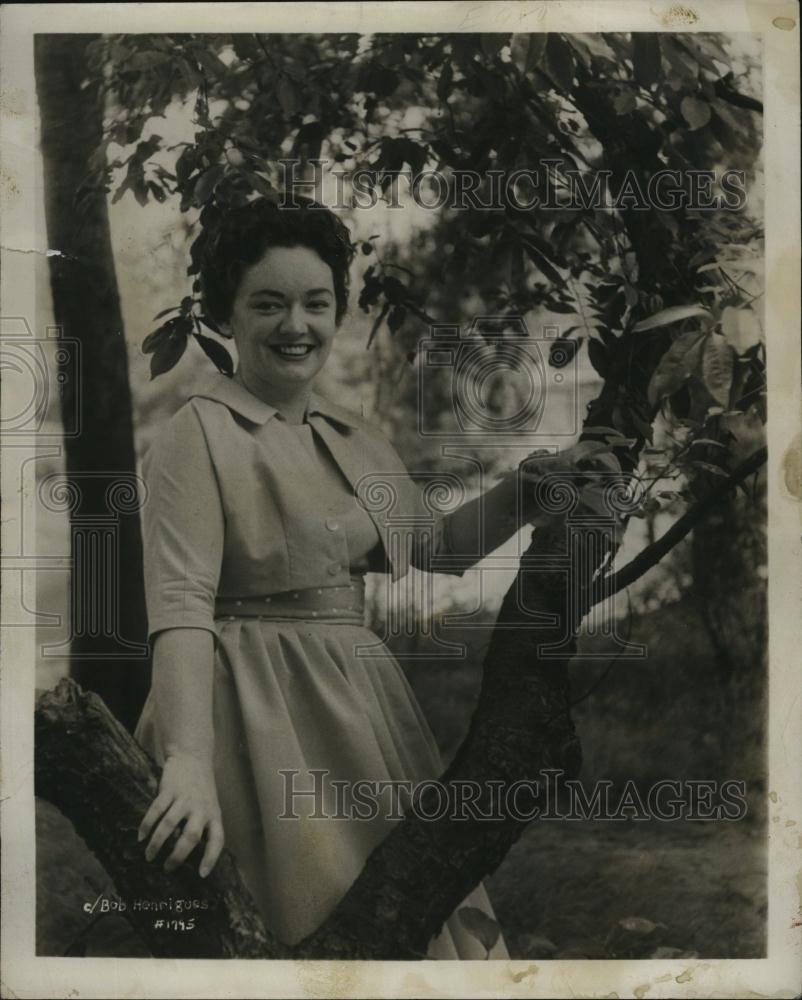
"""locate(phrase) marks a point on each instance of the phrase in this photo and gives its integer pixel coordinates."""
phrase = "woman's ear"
(225, 328)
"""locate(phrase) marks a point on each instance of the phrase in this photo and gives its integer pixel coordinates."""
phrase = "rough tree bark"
(100, 460)
(90, 768)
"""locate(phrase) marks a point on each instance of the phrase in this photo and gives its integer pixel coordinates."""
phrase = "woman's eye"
(267, 307)
(318, 304)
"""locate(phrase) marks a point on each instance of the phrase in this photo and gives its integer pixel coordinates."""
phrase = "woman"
(255, 554)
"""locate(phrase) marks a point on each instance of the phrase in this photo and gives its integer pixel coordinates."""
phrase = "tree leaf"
(246, 47)
(671, 315)
(288, 96)
(207, 320)
(542, 263)
(716, 470)
(676, 366)
(683, 65)
(560, 63)
(741, 327)
(444, 81)
(377, 80)
(479, 925)
(377, 323)
(164, 312)
(598, 357)
(153, 339)
(695, 112)
(602, 430)
(146, 60)
(707, 441)
(210, 62)
(536, 52)
(218, 354)
(646, 58)
(168, 353)
(205, 184)
(718, 362)
(178, 325)
(396, 318)
(494, 42)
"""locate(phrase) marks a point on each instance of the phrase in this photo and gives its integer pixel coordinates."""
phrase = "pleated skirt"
(303, 711)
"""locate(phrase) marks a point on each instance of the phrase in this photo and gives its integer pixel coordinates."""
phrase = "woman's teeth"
(293, 350)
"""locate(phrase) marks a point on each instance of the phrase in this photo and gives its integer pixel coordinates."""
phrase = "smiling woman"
(283, 321)
(256, 548)
(277, 281)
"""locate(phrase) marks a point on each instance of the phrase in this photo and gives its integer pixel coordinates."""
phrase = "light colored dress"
(244, 512)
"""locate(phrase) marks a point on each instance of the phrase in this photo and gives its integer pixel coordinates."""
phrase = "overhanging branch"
(652, 554)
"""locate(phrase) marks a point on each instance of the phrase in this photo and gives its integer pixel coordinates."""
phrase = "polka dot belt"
(345, 603)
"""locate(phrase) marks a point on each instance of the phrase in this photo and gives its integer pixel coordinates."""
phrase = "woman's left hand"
(589, 457)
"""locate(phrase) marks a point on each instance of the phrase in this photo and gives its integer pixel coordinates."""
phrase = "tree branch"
(652, 554)
(91, 769)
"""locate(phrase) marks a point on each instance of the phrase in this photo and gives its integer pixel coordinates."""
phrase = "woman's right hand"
(188, 795)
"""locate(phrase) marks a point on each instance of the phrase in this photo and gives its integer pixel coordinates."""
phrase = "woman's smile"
(293, 352)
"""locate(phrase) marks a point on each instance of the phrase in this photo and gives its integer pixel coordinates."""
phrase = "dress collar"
(238, 399)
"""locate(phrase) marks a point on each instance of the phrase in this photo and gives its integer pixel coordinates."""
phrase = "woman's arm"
(183, 664)
(480, 526)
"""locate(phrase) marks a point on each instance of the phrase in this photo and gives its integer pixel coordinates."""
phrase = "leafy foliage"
(662, 299)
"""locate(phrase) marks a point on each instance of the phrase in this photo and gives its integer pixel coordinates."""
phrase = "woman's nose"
(295, 320)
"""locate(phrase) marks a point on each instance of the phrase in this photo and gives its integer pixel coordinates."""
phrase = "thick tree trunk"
(108, 651)
(91, 769)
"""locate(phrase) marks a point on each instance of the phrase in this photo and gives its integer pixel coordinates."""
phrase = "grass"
(566, 885)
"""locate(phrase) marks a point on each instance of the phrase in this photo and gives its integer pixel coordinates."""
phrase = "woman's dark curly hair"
(243, 234)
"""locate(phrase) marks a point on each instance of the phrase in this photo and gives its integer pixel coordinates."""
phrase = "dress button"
(334, 569)
(239, 604)
(267, 600)
(332, 525)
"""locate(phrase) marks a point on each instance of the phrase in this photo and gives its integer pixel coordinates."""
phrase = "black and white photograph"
(401, 478)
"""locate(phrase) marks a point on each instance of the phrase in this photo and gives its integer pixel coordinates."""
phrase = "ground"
(702, 884)
(560, 893)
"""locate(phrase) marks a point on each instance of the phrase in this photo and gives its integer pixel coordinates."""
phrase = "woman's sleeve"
(425, 529)
(183, 527)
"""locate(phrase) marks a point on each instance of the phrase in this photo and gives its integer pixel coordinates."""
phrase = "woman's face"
(283, 318)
